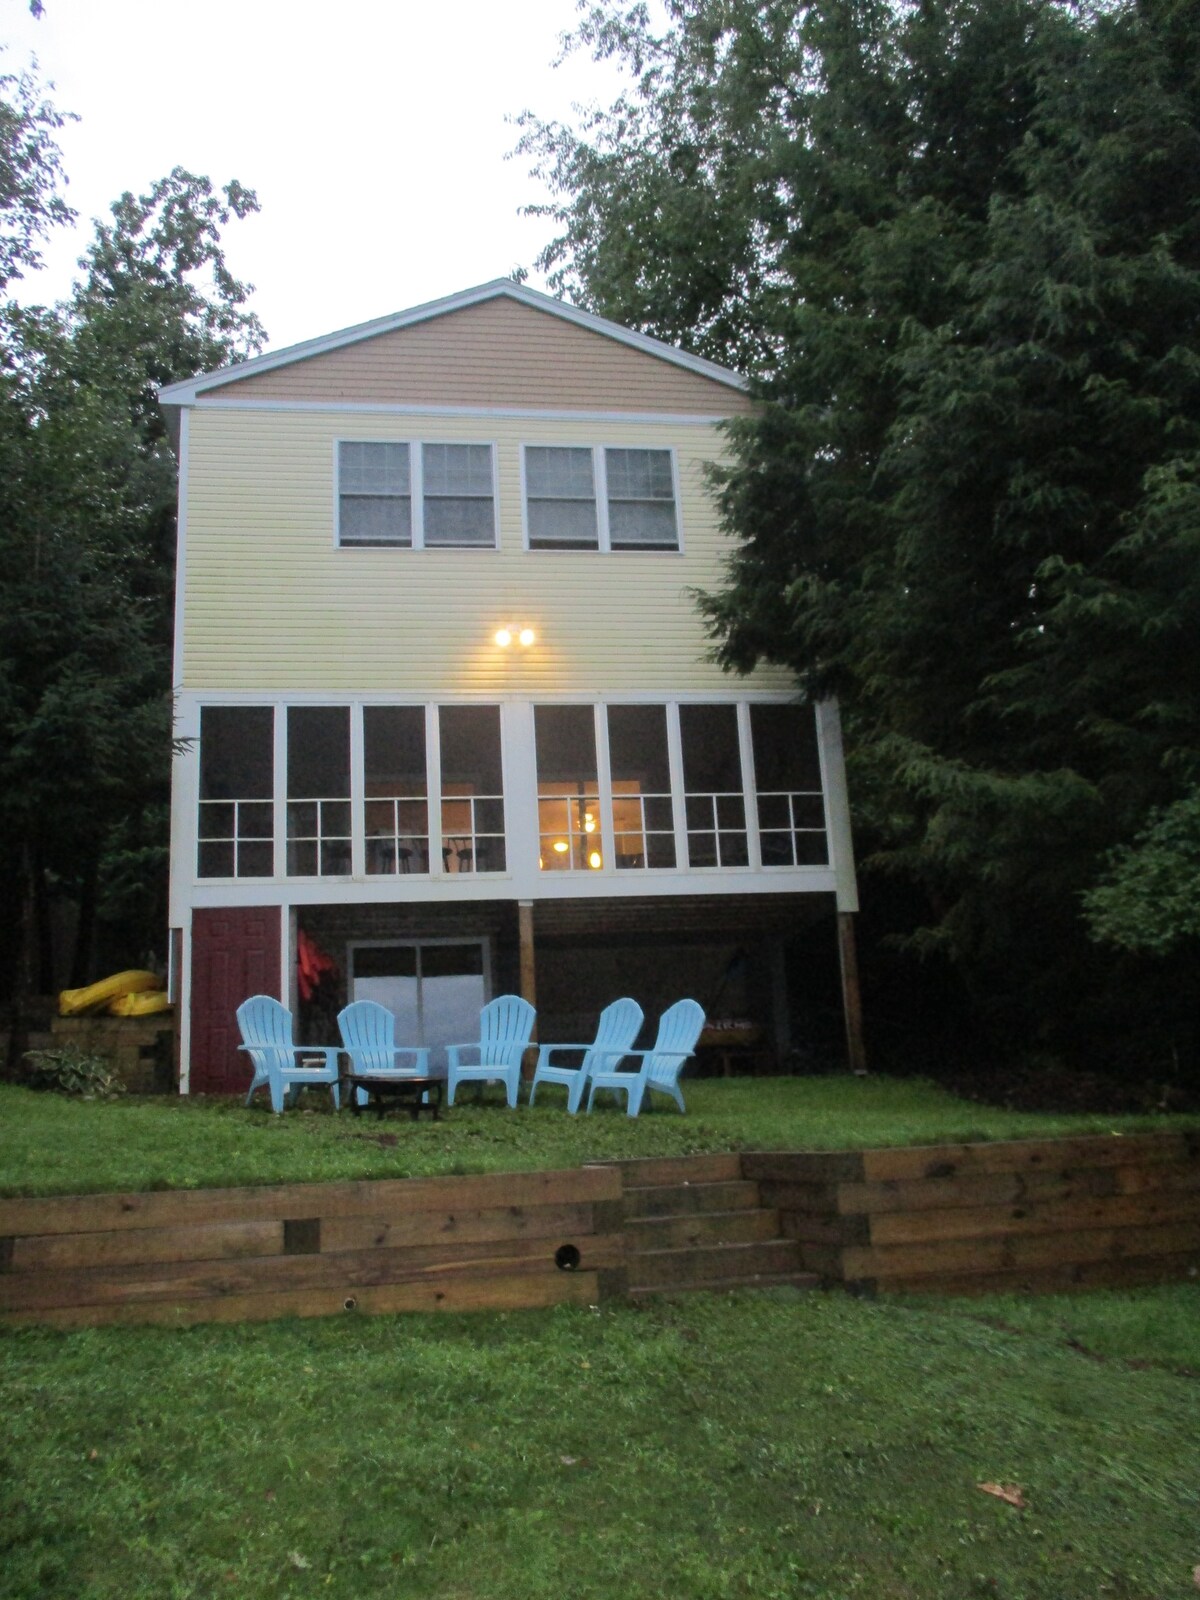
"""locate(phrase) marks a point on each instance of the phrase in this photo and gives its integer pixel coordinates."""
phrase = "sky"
(374, 132)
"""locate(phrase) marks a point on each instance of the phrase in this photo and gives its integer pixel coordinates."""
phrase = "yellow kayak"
(140, 1005)
(75, 1002)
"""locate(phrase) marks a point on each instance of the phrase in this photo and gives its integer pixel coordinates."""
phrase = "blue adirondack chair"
(505, 1028)
(369, 1037)
(618, 1028)
(678, 1029)
(267, 1038)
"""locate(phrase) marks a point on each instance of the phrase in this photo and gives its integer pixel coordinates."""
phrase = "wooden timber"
(1014, 1215)
(1020, 1216)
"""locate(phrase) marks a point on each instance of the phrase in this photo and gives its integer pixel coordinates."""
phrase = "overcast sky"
(374, 133)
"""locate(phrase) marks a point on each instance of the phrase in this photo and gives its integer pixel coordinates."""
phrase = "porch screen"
(318, 795)
(569, 834)
(787, 781)
(643, 817)
(472, 789)
(396, 789)
(714, 802)
(236, 825)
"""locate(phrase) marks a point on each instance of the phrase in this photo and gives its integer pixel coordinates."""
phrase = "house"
(447, 724)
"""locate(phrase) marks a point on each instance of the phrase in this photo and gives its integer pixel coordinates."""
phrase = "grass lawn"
(769, 1445)
(52, 1145)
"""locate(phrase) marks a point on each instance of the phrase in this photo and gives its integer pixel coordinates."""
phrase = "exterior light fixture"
(506, 635)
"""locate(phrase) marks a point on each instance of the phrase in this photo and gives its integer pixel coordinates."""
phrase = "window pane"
(302, 821)
(377, 467)
(785, 748)
(639, 475)
(394, 750)
(565, 738)
(215, 861)
(256, 859)
(318, 754)
(559, 474)
(459, 522)
(660, 849)
(711, 760)
(237, 753)
(632, 526)
(376, 521)
(637, 744)
(458, 469)
(569, 524)
(302, 858)
(216, 820)
(256, 821)
(470, 746)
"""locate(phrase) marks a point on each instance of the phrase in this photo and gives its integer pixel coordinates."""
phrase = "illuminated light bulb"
(526, 637)
(503, 638)
(589, 822)
(595, 860)
(561, 846)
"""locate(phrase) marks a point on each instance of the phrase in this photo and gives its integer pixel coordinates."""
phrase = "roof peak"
(191, 389)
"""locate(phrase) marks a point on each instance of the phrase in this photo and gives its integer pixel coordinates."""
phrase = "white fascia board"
(189, 390)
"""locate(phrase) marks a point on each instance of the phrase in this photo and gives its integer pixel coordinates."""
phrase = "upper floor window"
(577, 498)
(374, 493)
(416, 496)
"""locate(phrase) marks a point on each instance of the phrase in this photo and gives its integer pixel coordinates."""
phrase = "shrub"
(70, 1070)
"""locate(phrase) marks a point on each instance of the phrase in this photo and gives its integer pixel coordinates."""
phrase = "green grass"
(52, 1145)
(765, 1445)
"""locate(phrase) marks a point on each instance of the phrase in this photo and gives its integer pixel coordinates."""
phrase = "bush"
(70, 1070)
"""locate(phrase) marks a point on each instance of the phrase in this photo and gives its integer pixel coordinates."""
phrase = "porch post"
(528, 974)
(851, 994)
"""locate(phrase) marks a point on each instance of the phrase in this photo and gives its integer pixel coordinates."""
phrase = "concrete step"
(700, 1228)
(761, 1280)
(680, 1169)
(700, 1264)
(663, 1200)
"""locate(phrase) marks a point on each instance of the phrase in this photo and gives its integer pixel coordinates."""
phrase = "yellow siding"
(272, 603)
(498, 353)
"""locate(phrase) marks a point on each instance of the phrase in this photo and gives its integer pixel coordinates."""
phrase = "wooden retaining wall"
(1028, 1215)
(240, 1255)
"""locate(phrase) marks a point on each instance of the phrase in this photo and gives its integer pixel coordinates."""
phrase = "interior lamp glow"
(526, 637)
(561, 846)
(503, 637)
(595, 859)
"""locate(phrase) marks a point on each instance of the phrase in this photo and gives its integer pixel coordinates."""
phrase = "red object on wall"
(235, 953)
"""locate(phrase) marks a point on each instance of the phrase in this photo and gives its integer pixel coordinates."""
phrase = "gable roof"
(191, 389)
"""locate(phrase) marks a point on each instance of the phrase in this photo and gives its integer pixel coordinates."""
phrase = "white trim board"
(670, 419)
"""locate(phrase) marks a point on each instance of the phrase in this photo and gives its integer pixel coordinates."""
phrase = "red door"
(235, 953)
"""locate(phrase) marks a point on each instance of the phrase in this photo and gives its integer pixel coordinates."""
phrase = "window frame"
(416, 490)
(603, 545)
